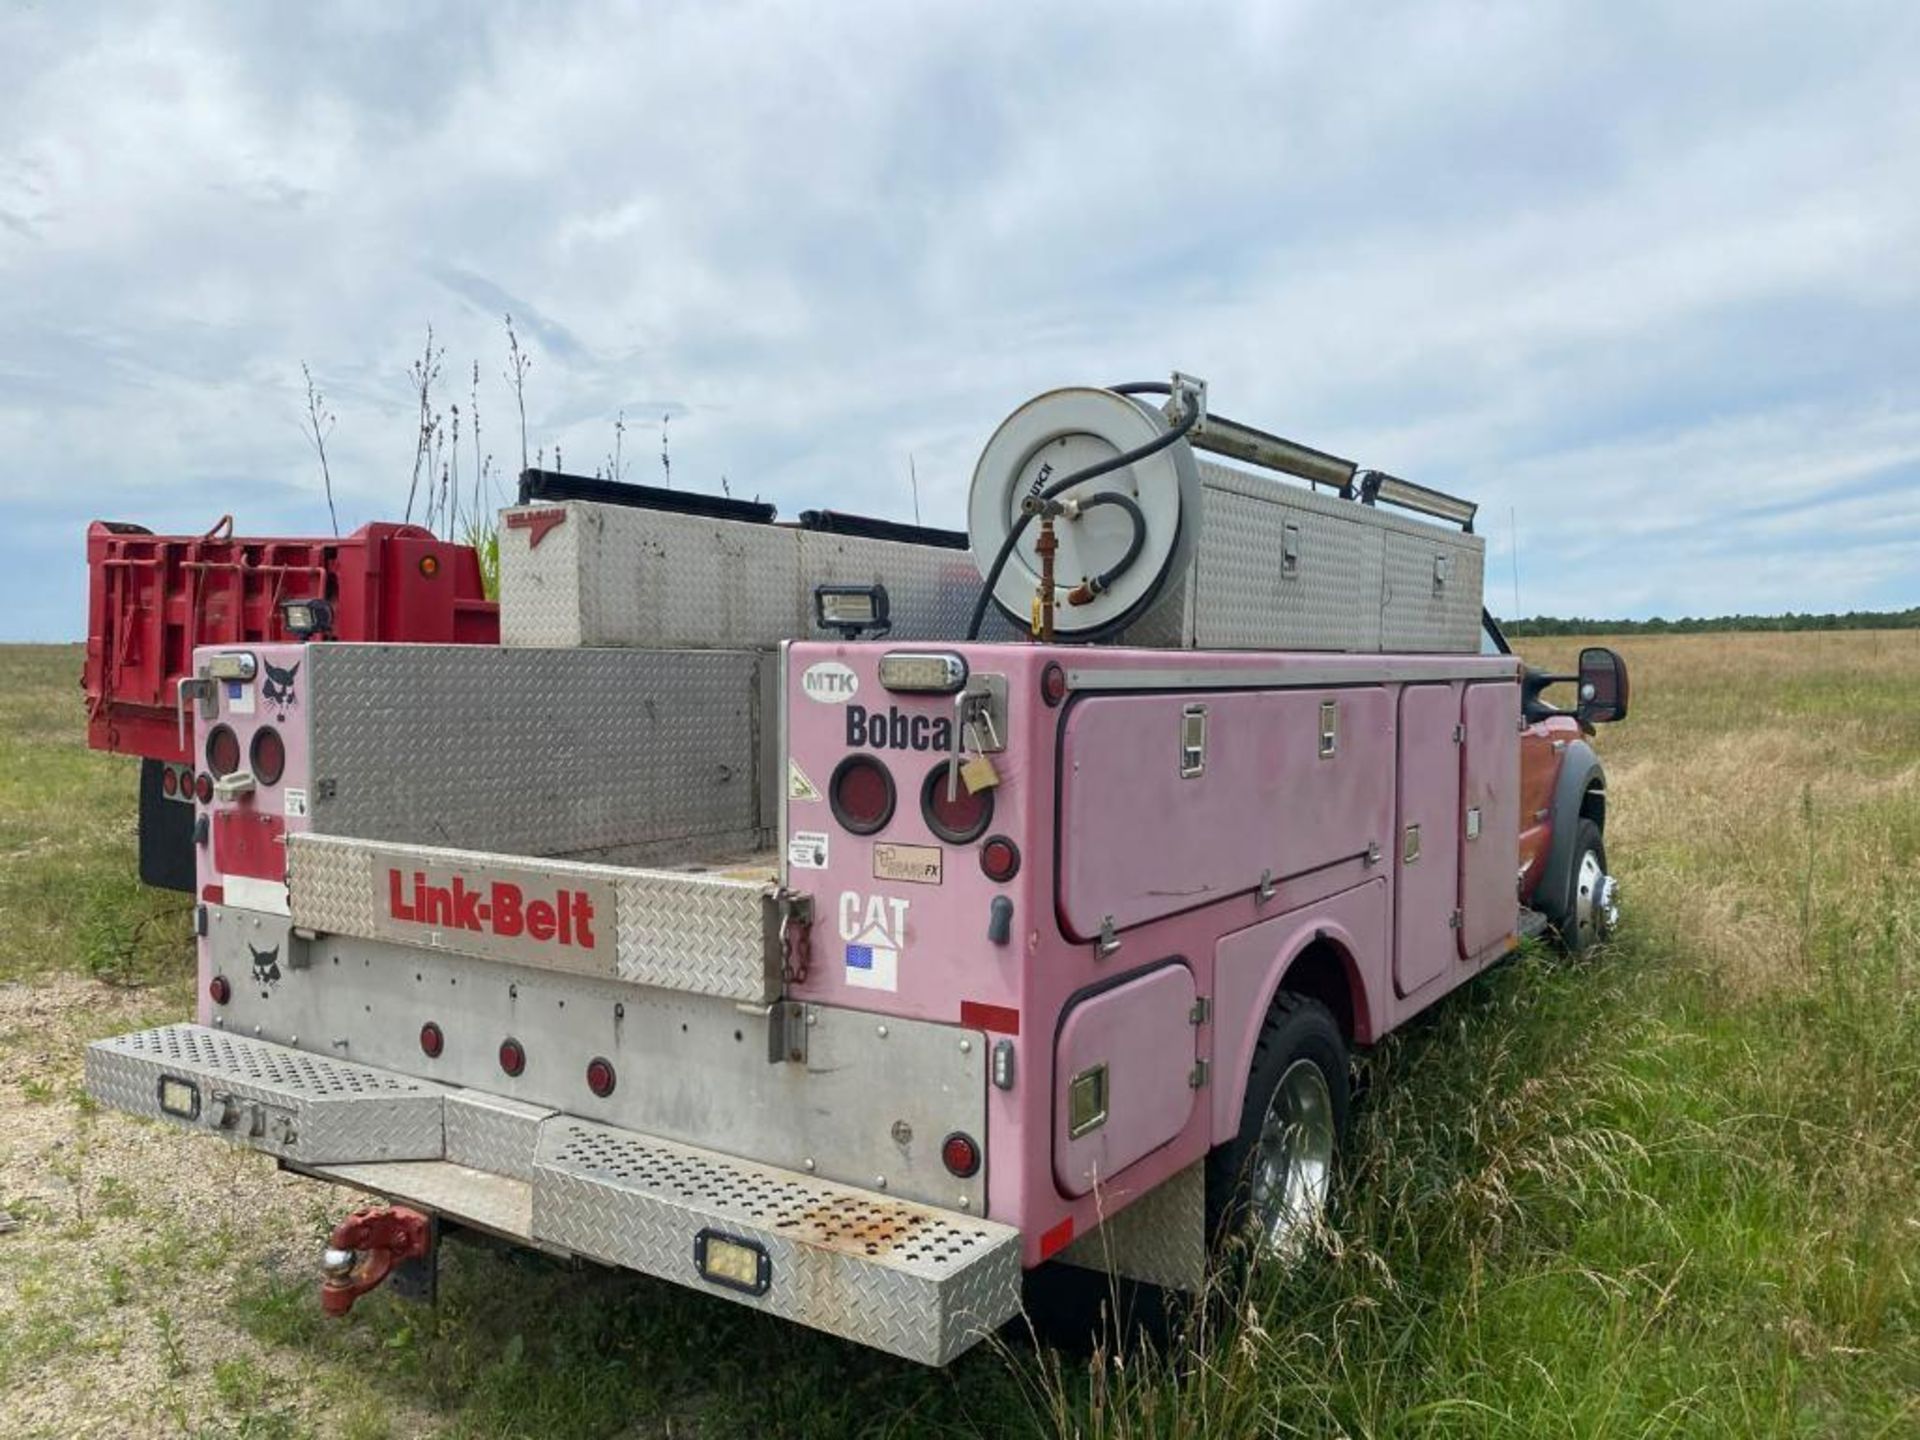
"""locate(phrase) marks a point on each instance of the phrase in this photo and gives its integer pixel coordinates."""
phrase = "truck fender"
(1580, 771)
(1236, 1025)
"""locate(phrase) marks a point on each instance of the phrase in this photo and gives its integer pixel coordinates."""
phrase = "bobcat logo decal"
(277, 690)
(266, 965)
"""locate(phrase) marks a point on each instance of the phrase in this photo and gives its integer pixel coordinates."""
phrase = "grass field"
(1672, 1190)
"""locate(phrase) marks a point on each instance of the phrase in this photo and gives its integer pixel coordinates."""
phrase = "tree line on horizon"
(1695, 625)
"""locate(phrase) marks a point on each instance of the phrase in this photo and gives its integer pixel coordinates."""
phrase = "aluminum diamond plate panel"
(635, 756)
(500, 1203)
(921, 1283)
(615, 575)
(1432, 591)
(268, 1097)
(493, 1132)
(704, 933)
(1161, 1238)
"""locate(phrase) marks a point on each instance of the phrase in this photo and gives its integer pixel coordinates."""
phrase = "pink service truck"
(848, 919)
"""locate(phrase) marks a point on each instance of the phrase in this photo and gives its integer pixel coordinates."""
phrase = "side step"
(922, 1283)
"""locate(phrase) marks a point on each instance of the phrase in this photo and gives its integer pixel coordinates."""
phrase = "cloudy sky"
(1644, 278)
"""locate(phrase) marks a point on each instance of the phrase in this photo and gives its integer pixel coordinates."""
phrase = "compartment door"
(1489, 816)
(1426, 845)
(1123, 1077)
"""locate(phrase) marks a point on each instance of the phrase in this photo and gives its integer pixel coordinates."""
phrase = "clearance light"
(924, 672)
(513, 1056)
(1053, 684)
(432, 1041)
(302, 618)
(1000, 859)
(600, 1077)
(203, 788)
(169, 781)
(234, 665)
(851, 609)
(960, 1155)
(429, 565)
(736, 1264)
(220, 990)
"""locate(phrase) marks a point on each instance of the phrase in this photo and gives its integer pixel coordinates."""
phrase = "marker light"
(220, 989)
(600, 1076)
(927, 672)
(1053, 684)
(429, 565)
(851, 609)
(960, 1155)
(203, 788)
(231, 665)
(169, 781)
(432, 1041)
(513, 1056)
(1000, 859)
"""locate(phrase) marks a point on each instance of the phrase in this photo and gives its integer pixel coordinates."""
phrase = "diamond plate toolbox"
(616, 575)
(709, 934)
(922, 1283)
(636, 756)
(297, 1106)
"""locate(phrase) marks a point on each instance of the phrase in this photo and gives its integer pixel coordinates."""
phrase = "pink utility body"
(1362, 805)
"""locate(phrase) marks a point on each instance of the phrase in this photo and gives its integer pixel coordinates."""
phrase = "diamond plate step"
(922, 1283)
(268, 1097)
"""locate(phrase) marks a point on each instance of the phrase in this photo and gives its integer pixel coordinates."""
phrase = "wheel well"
(1320, 973)
(1593, 806)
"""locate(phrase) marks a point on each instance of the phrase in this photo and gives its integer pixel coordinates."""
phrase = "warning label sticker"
(799, 787)
(807, 850)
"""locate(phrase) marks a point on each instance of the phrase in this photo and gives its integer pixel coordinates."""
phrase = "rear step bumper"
(919, 1282)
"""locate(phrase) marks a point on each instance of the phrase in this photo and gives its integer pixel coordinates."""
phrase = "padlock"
(978, 774)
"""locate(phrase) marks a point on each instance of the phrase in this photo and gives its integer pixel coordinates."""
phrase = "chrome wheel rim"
(1292, 1162)
(1596, 899)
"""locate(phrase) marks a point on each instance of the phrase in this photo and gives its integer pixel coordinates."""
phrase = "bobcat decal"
(277, 690)
(266, 965)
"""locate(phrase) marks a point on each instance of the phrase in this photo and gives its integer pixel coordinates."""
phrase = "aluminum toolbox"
(635, 756)
(705, 933)
(595, 574)
(916, 1281)
(1280, 567)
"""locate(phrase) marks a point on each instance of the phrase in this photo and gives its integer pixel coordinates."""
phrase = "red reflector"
(1000, 859)
(513, 1059)
(960, 1155)
(956, 817)
(432, 1042)
(600, 1077)
(220, 989)
(1053, 684)
(1053, 1241)
(269, 756)
(169, 780)
(1002, 1019)
(214, 894)
(223, 751)
(203, 788)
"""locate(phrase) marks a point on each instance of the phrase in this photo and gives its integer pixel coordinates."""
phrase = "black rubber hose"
(1142, 387)
(1104, 581)
(1077, 477)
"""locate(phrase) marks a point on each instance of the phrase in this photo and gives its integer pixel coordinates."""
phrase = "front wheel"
(1267, 1187)
(1593, 909)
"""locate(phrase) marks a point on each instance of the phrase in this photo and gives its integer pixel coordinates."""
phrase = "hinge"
(1455, 920)
(1108, 941)
(787, 1032)
(1202, 1009)
(1373, 852)
(1197, 1076)
(1459, 734)
(1266, 888)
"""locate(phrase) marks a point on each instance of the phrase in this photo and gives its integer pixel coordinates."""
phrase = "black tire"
(1577, 938)
(1296, 1028)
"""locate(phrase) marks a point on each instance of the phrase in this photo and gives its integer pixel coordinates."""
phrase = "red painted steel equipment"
(152, 598)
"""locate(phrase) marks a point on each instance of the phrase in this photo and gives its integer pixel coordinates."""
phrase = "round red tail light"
(600, 1077)
(269, 756)
(960, 1155)
(169, 780)
(1000, 859)
(432, 1041)
(513, 1057)
(861, 793)
(223, 751)
(1053, 684)
(957, 819)
(220, 989)
(203, 788)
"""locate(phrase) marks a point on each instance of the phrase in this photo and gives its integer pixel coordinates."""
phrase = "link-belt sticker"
(875, 931)
(799, 787)
(808, 849)
(829, 682)
(530, 916)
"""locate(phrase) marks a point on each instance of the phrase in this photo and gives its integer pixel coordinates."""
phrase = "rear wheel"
(1593, 906)
(1267, 1187)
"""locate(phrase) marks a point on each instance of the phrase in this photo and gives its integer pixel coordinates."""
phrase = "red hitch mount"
(365, 1247)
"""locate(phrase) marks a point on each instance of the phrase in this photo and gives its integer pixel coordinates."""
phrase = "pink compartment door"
(1426, 846)
(1489, 817)
(1135, 1043)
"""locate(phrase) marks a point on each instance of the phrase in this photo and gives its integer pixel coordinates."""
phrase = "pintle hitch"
(364, 1249)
